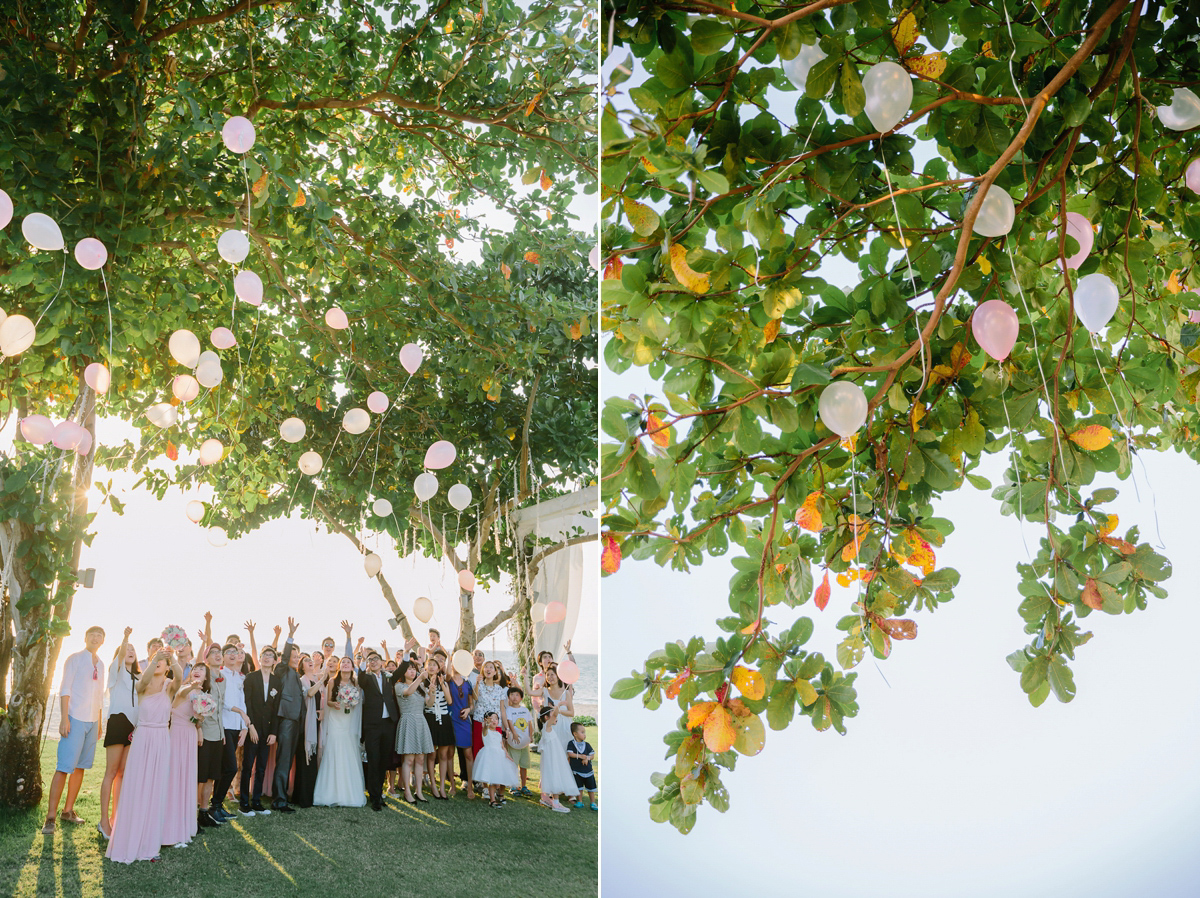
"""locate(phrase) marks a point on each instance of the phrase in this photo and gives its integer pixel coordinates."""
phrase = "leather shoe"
(284, 809)
(377, 806)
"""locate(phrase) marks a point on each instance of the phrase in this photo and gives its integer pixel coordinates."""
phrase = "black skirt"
(442, 733)
(210, 758)
(119, 730)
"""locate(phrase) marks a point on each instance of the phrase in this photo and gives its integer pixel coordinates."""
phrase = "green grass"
(444, 848)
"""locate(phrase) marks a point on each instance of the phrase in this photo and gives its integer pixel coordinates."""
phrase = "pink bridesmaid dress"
(137, 833)
(179, 823)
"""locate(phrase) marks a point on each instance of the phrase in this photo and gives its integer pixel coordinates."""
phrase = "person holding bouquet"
(191, 702)
(340, 774)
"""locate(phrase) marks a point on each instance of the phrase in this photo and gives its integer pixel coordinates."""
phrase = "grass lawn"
(444, 848)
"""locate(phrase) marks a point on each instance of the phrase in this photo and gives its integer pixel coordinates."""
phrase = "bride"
(340, 774)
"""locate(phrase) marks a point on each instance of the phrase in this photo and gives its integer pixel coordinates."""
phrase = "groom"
(379, 716)
(290, 719)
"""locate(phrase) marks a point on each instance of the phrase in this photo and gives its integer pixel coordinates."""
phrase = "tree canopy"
(417, 166)
(732, 199)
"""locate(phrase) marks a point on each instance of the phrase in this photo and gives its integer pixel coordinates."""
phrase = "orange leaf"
(1091, 595)
(719, 733)
(749, 683)
(771, 331)
(751, 628)
(533, 258)
(676, 684)
(861, 528)
(698, 713)
(1173, 282)
(172, 451)
(506, 271)
(533, 103)
(932, 65)
(546, 182)
(1122, 546)
(1092, 437)
(807, 515)
(612, 271)
(899, 628)
(575, 331)
(690, 279)
(300, 199)
(320, 405)
(821, 596)
(659, 434)
(610, 556)
(259, 185)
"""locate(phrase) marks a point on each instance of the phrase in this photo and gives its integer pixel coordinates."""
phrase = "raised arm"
(290, 646)
(349, 628)
(249, 625)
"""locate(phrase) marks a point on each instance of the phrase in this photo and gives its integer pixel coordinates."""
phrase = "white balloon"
(1191, 176)
(373, 564)
(292, 430)
(185, 388)
(222, 338)
(185, 348)
(38, 429)
(440, 455)
(6, 209)
(311, 463)
(217, 537)
(410, 357)
(459, 496)
(381, 507)
(537, 612)
(1184, 112)
(211, 451)
(249, 287)
(195, 511)
(209, 373)
(337, 319)
(162, 415)
(423, 609)
(91, 253)
(889, 93)
(356, 420)
(238, 134)
(425, 486)
(843, 408)
(798, 67)
(594, 257)
(233, 246)
(17, 334)
(42, 231)
(96, 376)
(996, 214)
(463, 662)
(1096, 298)
(377, 402)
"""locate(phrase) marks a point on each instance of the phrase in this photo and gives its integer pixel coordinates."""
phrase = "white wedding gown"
(340, 775)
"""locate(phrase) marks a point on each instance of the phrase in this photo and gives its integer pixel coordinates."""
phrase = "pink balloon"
(6, 209)
(38, 429)
(377, 402)
(85, 445)
(568, 671)
(96, 376)
(995, 327)
(410, 357)
(185, 387)
(68, 435)
(1080, 229)
(90, 253)
(222, 338)
(440, 455)
(555, 612)
(249, 287)
(337, 319)
(1191, 177)
(238, 134)
(466, 580)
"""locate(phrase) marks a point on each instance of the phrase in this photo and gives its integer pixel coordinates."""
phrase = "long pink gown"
(179, 822)
(137, 834)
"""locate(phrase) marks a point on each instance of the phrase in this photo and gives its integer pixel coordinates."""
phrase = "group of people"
(316, 729)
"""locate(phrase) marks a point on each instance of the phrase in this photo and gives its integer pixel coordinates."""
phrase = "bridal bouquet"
(347, 696)
(203, 705)
(174, 637)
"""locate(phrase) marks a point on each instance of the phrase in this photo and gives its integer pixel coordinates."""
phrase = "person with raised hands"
(122, 718)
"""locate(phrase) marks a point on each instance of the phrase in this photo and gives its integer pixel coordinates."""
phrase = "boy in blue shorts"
(581, 754)
(81, 694)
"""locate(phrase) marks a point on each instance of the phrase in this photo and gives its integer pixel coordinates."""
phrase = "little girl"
(492, 765)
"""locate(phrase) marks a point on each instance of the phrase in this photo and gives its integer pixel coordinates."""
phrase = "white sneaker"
(245, 812)
(181, 844)
(557, 805)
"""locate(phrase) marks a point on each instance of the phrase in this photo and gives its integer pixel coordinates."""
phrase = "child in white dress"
(492, 765)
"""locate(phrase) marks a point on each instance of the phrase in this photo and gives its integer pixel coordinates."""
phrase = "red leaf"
(676, 684)
(612, 271)
(722, 691)
(610, 555)
(821, 596)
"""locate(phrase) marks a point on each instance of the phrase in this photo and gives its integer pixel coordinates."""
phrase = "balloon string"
(108, 302)
(61, 278)
(1037, 356)
(908, 260)
(1012, 442)
(854, 521)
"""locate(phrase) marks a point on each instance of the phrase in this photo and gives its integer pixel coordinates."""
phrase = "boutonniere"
(274, 691)
(220, 679)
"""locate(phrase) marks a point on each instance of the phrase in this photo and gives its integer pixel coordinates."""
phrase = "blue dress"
(460, 697)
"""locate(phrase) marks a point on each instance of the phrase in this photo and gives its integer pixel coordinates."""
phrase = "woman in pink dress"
(180, 821)
(137, 833)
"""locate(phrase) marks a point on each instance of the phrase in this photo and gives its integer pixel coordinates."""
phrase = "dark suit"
(378, 728)
(290, 725)
(263, 712)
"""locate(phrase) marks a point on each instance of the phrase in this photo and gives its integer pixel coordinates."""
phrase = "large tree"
(415, 166)
(732, 196)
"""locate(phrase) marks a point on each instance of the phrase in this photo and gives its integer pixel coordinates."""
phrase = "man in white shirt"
(236, 724)
(79, 726)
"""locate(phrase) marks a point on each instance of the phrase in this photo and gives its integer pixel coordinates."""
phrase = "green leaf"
(1062, 682)
(628, 687)
(821, 77)
(854, 98)
(709, 36)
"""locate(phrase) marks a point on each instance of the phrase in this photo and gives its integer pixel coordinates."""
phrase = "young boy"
(520, 732)
(581, 754)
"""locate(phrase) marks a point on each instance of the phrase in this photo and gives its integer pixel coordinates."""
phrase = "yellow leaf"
(931, 65)
(260, 185)
(648, 166)
(659, 435)
(643, 219)
(916, 415)
(698, 713)
(749, 683)
(691, 280)
(1110, 524)
(1092, 437)
(449, 28)
(985, 266)
(533, 103)
(904, 33)
(807, 693)
(808, 516)
(771, 331)
(546, 182)
(986, 50)
(719, 733)
(1173, 282)
(300, 198)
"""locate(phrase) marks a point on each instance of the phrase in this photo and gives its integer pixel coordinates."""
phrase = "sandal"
(70, 817)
